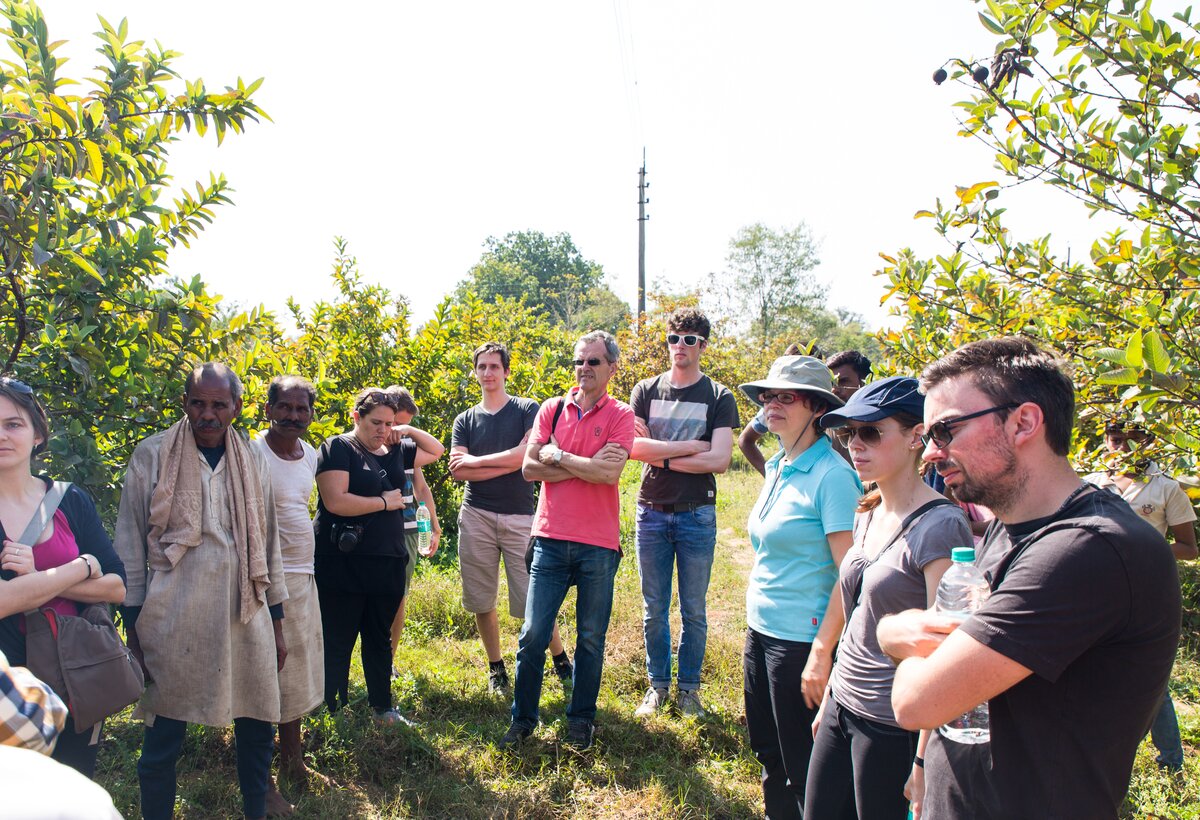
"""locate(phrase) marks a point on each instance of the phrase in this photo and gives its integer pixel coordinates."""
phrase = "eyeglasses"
(689, 339)
(592, 362)
(378, 397)
(783, 398)
(867, 434)
(940, 433)
(16, 385)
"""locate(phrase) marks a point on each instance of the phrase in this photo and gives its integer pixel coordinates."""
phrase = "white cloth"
(1155, 496)
(35, 787)
(293, 483)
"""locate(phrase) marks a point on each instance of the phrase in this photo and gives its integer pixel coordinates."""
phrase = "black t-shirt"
(1088, 599)
(383, 532)
(484, 433)
(681, 414)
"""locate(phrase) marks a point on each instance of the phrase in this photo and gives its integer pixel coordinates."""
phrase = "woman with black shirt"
(360, 554)
(70, 563)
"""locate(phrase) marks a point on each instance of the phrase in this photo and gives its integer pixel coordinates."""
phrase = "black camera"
(347, 537)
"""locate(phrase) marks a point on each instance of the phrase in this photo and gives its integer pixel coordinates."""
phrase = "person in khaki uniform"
(204, 607)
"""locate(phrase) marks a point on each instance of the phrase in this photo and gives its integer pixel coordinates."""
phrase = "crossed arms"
(692, 456)
(602, 468)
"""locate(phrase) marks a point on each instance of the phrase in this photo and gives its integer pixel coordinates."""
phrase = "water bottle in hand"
(963, 590)
(424, 530)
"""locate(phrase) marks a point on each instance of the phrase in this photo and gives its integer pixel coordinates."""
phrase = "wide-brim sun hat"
(878, 400)
(803, 373)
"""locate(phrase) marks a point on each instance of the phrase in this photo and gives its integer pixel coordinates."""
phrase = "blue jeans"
(557, 565)
(688, 538)
(1164, 734)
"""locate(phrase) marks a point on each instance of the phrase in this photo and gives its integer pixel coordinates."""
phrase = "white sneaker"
(655, 700)
(689, 703)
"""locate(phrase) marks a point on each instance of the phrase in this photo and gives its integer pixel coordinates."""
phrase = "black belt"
(690, 506)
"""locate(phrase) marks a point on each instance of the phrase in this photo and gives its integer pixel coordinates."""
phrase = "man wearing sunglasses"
(684, 429)
(577, 448)
(1073, 649)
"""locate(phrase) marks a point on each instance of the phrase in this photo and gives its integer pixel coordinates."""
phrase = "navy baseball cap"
(878, 400)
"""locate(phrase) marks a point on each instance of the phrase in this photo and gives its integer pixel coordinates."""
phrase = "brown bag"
(82, 658)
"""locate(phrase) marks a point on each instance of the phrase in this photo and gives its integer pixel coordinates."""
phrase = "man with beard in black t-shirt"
(1073, 648)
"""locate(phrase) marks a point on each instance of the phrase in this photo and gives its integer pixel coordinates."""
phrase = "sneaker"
(580, 734)
(498, 681)
(655, 700)
(392, 717)
(515, 735)
(565, 671)
(689, 703)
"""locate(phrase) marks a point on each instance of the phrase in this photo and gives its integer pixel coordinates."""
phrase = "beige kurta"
(207, 666)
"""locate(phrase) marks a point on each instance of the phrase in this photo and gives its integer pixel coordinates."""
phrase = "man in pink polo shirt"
(577, 447)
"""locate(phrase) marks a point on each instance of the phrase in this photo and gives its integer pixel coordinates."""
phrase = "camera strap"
(370, 458)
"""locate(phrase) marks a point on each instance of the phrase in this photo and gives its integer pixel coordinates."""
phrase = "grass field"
(449, 767)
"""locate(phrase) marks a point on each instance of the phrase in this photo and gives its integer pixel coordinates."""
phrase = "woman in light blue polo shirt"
(800, 529)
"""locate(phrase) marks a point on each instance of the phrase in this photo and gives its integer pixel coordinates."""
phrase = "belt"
(690, 506)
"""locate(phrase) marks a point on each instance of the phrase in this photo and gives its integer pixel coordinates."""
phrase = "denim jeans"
(557, 565)
(664, 539)
(255, 741)
(1164, 734)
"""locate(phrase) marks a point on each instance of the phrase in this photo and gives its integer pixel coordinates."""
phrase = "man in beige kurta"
(204, 599)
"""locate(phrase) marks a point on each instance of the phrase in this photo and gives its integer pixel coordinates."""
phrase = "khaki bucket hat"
(795, 373)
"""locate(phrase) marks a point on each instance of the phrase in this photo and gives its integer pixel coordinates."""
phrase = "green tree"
(91, 318)
(549, 274)
(1096, 99)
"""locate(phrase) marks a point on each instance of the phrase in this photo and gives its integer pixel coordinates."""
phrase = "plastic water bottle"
(424, 529)
(963, 590)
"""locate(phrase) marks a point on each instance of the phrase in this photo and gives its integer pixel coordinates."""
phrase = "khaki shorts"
(410, 544)
(483, 537)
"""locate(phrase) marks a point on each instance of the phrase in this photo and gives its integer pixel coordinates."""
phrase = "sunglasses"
(592, 362)
(689, 339)
(867, 434)
(766, 397)
(16, 385)
(939, 432)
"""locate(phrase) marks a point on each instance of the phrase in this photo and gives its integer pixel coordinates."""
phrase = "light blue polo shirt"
(794, 573)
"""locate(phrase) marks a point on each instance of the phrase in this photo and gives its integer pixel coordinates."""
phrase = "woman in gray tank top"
(863, 764)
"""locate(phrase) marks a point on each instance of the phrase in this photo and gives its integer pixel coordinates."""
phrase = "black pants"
(344, 618)
(76, 750)
(779, 723)
(858, 768)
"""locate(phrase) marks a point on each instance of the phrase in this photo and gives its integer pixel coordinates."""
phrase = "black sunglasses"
(940, 433)
(16, 385)
(592, 362)
(689, 339)
(867, 434)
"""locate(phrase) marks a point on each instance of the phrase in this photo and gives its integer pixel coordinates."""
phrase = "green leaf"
(1111, 354)
(1125, 375)
(1155, 353)
(1133, 349)
(990, 24)
(966, 195)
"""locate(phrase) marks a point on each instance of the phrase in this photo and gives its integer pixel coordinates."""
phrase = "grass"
(449, 767)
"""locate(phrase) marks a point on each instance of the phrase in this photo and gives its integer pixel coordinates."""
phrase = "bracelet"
(919, 761)
(666, 463)
(87, 564)
(384, 500)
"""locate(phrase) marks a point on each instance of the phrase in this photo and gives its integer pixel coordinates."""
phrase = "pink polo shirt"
(576, 510)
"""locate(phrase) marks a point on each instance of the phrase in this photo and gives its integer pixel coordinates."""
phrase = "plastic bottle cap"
(963, 555)
(422, 504)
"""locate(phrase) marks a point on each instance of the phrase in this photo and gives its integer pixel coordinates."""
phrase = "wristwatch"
(557, 457)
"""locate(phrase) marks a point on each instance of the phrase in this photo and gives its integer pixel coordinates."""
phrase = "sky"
(417, 130)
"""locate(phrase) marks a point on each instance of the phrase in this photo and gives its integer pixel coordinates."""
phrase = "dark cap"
(878, 400)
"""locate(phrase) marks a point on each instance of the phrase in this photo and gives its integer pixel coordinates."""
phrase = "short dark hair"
(862, 365)
(1014, 370)
(23, 397)
(213, 369)
(491, 347)
(281, 383)
(401, 400)
(689, 320)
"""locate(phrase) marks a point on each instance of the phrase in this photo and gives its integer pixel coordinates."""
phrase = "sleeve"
(758, 424)
(621, 431)
(541, 424)
(939, 531)
(529, 414)
(408, 455)
(335, 455)
(837, 499)
(90, 535)
(31, 715)
(1179, 508)
(1059, 597)
(637, 401)
(133, 524)
(727, 412)
(460, 434)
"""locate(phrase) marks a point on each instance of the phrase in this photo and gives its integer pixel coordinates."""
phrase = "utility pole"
(642, 200)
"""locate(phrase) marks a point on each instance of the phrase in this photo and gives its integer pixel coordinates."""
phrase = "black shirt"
(483, 434)
(383, 532)
(1088, 599)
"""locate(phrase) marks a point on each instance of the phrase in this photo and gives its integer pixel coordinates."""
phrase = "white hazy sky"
(416, 130)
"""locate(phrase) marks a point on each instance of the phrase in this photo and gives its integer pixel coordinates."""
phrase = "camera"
(347, 537)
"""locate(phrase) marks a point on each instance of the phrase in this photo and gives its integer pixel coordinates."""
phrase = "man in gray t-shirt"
(494, 522)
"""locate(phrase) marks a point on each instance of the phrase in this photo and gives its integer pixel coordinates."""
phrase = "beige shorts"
(483, 537)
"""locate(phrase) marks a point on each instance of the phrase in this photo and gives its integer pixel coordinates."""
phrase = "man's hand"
(547, 454)
(610, 452)
(18, 558)
(280, 645)
(460, 459)
(640, 430)
(913, 633)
